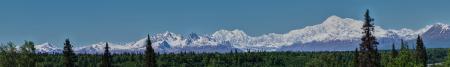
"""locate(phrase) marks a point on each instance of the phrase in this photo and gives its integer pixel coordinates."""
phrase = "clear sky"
(122, 21)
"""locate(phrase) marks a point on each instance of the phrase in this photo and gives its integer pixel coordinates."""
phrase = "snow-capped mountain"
(46, 47)
(335, 33)
(100, 47)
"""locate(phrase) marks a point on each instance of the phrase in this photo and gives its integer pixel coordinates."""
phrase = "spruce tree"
(150, 58)
(421, 53)
(106, 58)
(404, 59)
(69, 55)
(391, 60)
(355, 58)
(394, 53)
(369, 56)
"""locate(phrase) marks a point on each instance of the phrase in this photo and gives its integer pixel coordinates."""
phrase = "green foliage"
(394, 53)
(69, 55)
(106, 58)
(406, 58)
(239, 59)
(12, 57)
(9, 55)
(447, 61)
(258, 59)
(368, 51)
(27, 55)
(420, 53)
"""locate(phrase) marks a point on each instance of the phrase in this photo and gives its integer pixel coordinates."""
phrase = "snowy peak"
(438, 30)
(100, 47)
(335, 24)
(333, 20)
(338, 21)
(334, 29)
(168, 35)
(46, 47)
(439, 27)
(227, 35)
(194, 36)
(138, 44)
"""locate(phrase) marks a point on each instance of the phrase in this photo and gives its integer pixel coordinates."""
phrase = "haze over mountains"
(333, 34)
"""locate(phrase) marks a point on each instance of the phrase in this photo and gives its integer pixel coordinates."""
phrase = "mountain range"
(333, 34)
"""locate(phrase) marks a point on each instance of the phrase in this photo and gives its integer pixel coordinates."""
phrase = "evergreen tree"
(421, 53)
(2, 55)
(447, 61)
(9, 55)
(404, 59)
(69, 55)
(394, 53)
(355, 58)
(27, 55)
(106, 58)
(369, 56)
(150, 58)
(391, 60)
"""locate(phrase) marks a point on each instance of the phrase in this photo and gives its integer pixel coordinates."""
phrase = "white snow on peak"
(45, 47)
(138, 44)
(234, 35)
(336, 20)
(438, 27)
(334, 28)
(175, 40)
(441, 26)
(100, 47)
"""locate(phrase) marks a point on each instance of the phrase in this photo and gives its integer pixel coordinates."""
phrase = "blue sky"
(122, 21)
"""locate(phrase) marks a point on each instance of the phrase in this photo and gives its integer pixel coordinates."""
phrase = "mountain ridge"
(334, 29)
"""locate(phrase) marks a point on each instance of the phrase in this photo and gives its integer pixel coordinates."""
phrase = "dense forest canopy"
(231, 59)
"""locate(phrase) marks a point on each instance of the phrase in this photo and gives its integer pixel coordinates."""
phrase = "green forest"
(231, 59)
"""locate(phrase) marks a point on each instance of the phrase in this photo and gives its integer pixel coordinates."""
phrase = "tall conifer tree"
(69, 55)
(421, 53)
(369, 56)
(27, 55)
(150, 58)
(355, 58)
(106, 58)
(394, 53)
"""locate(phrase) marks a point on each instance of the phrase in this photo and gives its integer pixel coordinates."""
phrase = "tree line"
(233, 59)
(27, 56)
